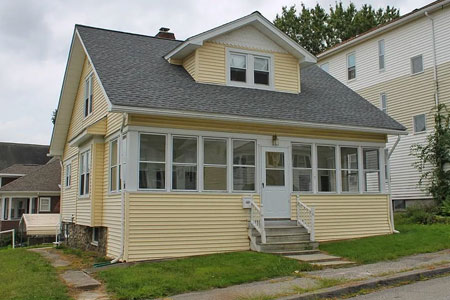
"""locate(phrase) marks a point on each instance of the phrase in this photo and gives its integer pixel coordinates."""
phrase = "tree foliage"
(432, 157)
(315, 29)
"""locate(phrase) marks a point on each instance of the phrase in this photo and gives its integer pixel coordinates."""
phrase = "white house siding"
(407, 95)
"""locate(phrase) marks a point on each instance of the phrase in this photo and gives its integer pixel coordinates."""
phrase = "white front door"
(275, 186)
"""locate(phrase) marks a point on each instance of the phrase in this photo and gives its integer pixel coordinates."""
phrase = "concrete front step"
(319, 257)
(288, 253)
(303, 237)
(278, 230)
(288, 246)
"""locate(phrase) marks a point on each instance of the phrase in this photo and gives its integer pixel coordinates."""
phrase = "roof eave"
(382, 29)
(225, 117)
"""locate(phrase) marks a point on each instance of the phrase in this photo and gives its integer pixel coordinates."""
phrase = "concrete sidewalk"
(314, 280)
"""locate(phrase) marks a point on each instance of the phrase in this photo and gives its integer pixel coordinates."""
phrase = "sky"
(35, 36)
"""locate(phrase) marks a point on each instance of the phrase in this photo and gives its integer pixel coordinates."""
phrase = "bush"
(422, 214)
(445, 208)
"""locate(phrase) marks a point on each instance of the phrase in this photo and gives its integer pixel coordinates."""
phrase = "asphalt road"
(433, 289)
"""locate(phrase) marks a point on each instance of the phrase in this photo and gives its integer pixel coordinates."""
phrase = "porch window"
(326, 168)
(302, 168)
(371, 164)
(85, 169)
(44, 204)
(5, 208)
(152, 162)
(114, 167)
(184, 163)
(349, 169)
(88, 96)
(214, 164)
(244, 158)
(68, 175)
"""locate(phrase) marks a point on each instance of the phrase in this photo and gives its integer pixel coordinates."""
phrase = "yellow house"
(231, 140)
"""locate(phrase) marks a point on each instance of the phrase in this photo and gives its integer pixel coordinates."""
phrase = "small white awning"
(41, 224)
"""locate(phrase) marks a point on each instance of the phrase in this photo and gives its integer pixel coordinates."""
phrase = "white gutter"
(436, 85)
(390, 26)
(122, 195)
(224, 117)
(391, 208)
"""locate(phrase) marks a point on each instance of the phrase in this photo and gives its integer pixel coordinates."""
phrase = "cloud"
(35, 37)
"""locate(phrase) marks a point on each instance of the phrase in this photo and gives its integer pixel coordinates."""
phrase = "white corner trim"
(235, 118)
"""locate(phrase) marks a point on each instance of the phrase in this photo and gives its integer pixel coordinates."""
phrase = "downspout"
(436, 84)
(122, 195)
(391, 209)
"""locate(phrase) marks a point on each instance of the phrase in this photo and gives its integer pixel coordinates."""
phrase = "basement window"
(95, 235)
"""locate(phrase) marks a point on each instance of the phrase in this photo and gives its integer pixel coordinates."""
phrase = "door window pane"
(274, 160)
(152, 165)
(274, 177)
(274, 168)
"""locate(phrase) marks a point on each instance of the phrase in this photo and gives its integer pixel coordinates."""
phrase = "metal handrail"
(306, 217)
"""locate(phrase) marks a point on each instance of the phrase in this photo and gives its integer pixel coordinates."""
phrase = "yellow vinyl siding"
(114, 122)
(183, 224)
(190, 66)
(99, 104)
(286, 73)
(252, 128)
(207, 64)
(68, 205)
(347, 216)
(97, 174)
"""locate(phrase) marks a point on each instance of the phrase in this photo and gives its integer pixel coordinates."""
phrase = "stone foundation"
(80, 237)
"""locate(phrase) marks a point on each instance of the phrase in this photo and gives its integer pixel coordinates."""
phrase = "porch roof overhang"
(28, 194)
(97, 129)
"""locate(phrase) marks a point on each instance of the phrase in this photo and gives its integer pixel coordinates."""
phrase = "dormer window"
(250, 69)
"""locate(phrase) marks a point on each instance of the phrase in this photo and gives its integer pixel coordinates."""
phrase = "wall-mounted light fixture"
(275, 141)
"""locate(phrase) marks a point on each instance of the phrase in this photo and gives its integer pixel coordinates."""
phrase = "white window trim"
(322, 169)
(300, 168)
(411, 64)
(385, 110)
(203, 164)
(379, 55)
(49, 204)
(284, 140)
(167, 158)
(118, 166)
(172, 164)
(346, 70)
(245, 166)
(86, 150)
(250, 69)
(68, 175)
(414, 124)
(349, 169)
(89, 78)
(379, 170)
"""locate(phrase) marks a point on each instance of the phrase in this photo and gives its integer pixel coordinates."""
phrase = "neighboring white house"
(403, 68)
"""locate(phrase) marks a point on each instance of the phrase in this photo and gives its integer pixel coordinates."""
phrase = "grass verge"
(26, 275)
(160, 279)
(412, 239)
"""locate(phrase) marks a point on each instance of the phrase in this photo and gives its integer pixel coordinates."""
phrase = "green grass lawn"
(159, 279)
(26, 275)
(412, 239)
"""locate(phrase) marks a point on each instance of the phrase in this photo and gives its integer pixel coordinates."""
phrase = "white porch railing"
(305, 217)
(257, 219)
(13, 232)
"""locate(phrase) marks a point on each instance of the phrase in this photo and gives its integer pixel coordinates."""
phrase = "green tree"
(316, 30)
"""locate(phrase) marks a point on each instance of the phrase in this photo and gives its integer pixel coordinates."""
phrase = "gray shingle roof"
(134, 73)
(12, 153)
(20, 169)
(46, 178)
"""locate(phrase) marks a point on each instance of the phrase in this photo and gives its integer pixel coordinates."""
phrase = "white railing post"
(263, 230)
(306, 217)
(257, 219)
(13, 238)
(313, 218)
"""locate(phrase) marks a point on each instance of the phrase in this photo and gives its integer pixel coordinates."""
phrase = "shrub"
(445, 208)
(422, 214)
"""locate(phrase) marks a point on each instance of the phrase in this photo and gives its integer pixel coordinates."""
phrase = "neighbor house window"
(416, 64)
(349, 169)
(88, 96)
(184, 163)
(381, 54)
(95, 235)
(68, 175)
(420, 123)
(44, 204)
(325, 67)
(383, 103)
(326, 168)
(371, 165)
(214, 164)
(114, 167)
(244, 159)
(249, 69)
(152, 161)
(302, 168)
(85, 166)
(351, 66)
